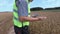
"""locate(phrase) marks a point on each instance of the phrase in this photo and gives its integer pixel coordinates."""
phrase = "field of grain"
(49, 26)
(5, 22)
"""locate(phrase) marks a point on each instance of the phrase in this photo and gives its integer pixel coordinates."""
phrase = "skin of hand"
(42, 18)
(31, 19)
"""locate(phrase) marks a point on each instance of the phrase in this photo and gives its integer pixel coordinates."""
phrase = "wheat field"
(51, 25)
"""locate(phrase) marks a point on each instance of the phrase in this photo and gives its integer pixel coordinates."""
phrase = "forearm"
(28, 19)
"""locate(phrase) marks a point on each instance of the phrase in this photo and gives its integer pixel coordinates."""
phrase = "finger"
(45, 17)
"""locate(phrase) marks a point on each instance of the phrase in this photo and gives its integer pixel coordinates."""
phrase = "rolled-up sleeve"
(22, 8)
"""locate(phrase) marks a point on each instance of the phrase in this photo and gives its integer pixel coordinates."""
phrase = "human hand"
(42, 18)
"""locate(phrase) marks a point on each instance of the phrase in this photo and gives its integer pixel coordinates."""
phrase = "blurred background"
(49, 8)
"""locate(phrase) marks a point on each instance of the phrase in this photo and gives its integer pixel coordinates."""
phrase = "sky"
(7, 5)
